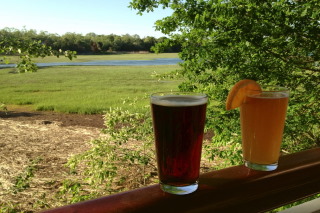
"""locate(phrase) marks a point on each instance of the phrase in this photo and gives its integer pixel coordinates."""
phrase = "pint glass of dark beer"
(178, 124)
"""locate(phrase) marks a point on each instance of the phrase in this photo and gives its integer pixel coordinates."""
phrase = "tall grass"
(83, 89)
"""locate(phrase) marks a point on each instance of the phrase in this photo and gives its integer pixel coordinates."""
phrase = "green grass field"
(84, 89)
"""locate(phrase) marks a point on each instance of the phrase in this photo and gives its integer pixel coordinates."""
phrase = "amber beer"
(262, 122)
(178, 123)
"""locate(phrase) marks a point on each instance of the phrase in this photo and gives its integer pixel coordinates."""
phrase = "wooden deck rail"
(234, 189)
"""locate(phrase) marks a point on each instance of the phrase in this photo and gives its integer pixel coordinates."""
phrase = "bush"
(121, 160)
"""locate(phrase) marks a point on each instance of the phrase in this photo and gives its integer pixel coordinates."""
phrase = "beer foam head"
(179, 100)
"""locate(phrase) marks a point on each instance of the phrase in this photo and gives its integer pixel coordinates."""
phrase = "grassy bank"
(83, 89)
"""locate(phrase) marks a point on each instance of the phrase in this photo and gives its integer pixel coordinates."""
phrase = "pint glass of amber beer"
(262, 117)
(178, 124)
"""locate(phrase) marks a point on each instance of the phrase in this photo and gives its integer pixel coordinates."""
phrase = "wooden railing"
(235, 189)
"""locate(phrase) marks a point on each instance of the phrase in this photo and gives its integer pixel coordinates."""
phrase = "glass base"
(261, 167)
(179, 190)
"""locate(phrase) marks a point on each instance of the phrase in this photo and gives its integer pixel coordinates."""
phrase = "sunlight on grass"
(83, 89)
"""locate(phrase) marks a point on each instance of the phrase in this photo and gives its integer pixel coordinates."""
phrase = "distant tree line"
(90, 43)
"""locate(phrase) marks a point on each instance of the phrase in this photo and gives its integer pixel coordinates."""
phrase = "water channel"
(158, 61)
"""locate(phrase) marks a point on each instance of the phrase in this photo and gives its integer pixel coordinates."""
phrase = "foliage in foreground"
(123, 160)
(272, 42)
(27, 48)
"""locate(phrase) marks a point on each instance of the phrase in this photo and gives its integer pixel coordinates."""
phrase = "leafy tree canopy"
(270, 41)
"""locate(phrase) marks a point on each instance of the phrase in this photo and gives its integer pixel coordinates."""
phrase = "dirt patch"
(20, 114)
(46, 137)
(49, 139)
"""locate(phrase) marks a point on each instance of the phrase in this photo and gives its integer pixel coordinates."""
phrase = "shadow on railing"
(235, 189)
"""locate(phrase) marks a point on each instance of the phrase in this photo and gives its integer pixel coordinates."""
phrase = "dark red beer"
(178, 122)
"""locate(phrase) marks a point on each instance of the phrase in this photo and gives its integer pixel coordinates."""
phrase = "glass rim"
(160, 94)
(177, 98)
(271, 88)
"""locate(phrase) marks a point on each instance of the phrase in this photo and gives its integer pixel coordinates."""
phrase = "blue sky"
(79, 16)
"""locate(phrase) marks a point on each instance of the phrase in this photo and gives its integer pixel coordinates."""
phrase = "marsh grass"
(83, 89)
